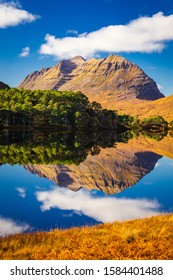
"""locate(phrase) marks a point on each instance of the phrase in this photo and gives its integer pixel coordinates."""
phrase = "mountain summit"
(103, 80)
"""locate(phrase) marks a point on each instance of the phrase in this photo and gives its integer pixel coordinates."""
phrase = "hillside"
(146, 239)
(143, 109)
(103, 80)
(3, 86)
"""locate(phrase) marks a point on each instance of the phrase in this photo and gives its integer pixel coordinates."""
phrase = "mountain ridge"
(106, 79)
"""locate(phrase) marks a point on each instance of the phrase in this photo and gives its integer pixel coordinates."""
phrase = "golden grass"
(149, 239)
(144, 109)
(141, 108)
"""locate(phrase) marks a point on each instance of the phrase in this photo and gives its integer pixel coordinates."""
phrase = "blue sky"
(39, 33)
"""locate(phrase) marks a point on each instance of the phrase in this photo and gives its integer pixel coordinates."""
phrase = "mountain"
(103, 172)
(114, 82)
(112, 170)
(3, 86)
(104, 80)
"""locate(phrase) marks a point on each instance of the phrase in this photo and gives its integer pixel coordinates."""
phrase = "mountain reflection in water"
(75, 164)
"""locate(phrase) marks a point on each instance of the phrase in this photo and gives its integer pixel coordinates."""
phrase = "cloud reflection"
(8, 226)
(158, 164)
(102, 209)
(22, 192)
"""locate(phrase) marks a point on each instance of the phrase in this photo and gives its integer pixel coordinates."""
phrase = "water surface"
(123, 181)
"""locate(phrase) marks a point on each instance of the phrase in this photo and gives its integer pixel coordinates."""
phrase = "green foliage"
(171, 124)
(23, 147)
(155, 135)
(154, 122)
(125, 120)
(50, 108)
(136, 123)
(171, 128)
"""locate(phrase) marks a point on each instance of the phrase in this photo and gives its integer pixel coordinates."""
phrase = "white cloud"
(25, 52)
(145, 34)
(8, 226)
(105, 209)
(11, 14)
(159, 87)
(22, 192)
(72, 31)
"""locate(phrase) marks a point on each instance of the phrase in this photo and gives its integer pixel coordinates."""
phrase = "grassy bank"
(149, 238)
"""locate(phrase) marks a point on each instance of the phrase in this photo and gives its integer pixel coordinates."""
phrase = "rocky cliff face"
(104, 80)
(3, 86)
(111, 171)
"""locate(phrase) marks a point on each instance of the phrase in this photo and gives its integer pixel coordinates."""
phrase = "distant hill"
(105, 80)
(3, 86)
(143, 109)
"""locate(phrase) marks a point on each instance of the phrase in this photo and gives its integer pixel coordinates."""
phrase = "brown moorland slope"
(142, 239)
(144, 109)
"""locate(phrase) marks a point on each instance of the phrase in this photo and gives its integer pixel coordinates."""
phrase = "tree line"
(153, 123)
(37, 147)
(47, 109)
(51, 108)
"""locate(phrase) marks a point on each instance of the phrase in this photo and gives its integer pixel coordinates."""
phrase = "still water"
(126, 181)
